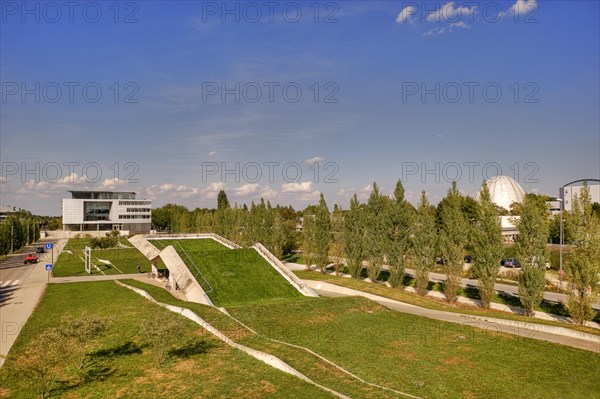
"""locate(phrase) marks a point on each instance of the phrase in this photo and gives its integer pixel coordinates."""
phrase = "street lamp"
(560, 272)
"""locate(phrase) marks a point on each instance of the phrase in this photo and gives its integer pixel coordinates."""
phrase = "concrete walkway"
(490, 325)
(15, 311)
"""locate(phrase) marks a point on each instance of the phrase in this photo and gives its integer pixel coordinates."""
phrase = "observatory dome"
(504, 191)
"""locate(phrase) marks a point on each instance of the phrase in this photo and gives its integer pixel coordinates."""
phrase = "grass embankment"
(434, 303)
(425, 357)
(408, 353)
(122, 363)
(236, 275)
(122, 259)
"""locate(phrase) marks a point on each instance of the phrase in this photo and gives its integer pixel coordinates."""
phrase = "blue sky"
(384, 86)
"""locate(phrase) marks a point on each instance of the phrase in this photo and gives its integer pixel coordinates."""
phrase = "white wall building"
(105, 211)
(570, 191)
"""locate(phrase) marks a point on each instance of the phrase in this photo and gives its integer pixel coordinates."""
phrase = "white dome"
(504, 191)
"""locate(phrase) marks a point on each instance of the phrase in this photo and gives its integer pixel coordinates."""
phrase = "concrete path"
(560, 335)
(105, 277)
(18, 301)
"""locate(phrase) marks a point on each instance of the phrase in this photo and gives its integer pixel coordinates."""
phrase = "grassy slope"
(432, 303)
(426, 357)
(237, 275)
(125, 259)
(217, 371)
(311, 366)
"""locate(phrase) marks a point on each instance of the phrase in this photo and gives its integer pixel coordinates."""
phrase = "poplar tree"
(453, 239)
(322, 234)
(424, 240)
(354, 237)
(487, 245)
(376, 232)
(583, 266)
(398, 218)
(531, 249)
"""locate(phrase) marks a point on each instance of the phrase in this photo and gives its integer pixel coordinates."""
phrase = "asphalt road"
(503, 288)
(13, 272)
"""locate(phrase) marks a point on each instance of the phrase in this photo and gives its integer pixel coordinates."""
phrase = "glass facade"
(95, 211)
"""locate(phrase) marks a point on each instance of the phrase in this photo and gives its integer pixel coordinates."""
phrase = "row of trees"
(390, 231)
(18, 230)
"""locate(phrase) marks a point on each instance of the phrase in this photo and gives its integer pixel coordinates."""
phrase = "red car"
(30, 258)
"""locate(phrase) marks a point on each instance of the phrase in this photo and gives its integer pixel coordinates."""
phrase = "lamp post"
(560, 271)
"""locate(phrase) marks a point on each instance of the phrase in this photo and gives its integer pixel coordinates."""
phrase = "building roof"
(504, 191)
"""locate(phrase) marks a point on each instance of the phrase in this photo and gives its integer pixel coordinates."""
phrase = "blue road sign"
(48, 266)
(49, 245)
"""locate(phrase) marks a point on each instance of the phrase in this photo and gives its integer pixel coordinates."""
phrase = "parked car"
(40, 250)
(510, 262)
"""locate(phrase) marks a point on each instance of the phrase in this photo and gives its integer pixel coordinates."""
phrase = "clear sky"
(165, 96)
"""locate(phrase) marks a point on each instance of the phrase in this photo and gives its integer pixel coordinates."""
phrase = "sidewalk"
(15, 311)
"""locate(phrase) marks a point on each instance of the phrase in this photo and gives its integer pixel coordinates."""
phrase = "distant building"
(504, 191)
(7, 210)
(569, 191)
(106, 210)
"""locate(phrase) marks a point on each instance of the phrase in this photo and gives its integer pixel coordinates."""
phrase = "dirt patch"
(453, 361)
(325, 318)
(4, 393)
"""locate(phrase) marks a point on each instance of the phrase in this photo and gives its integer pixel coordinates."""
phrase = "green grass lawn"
(425, 357)
(236, 275)
(122, 363)
(438, 304)
(70, 262)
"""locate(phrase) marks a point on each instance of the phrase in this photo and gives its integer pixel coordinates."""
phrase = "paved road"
(502, 288)
(21, 287)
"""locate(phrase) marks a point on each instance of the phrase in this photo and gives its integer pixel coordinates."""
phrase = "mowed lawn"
(237, 276)
(122, 361)
(424, 357)
(122, 260)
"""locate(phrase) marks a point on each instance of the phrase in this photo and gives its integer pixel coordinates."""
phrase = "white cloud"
(303, 187)
(405, 14)
(212, 153)
(450, 12)
(523, 6)
(311, 161)
(459, 24)
(247, 189)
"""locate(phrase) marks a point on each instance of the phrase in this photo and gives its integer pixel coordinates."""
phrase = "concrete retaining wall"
(229, 244)
(284, 271)
(184, 278)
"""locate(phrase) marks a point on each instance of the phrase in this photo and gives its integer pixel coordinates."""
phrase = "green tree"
(453, 239)
(336, 250)
(398, 218)
(160, 332)
(322, 234)
(424, 240)
(487, 245)
(583, 266)
(532, 251)
(309, 244)
(376, 232)
(354, 237)
(222, 201)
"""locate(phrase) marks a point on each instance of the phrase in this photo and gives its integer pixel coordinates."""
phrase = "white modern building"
(570, 191)
(105, 211)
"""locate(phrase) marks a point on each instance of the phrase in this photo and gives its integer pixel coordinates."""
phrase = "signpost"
(49, 269)
(88, 259)
(50, 246)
